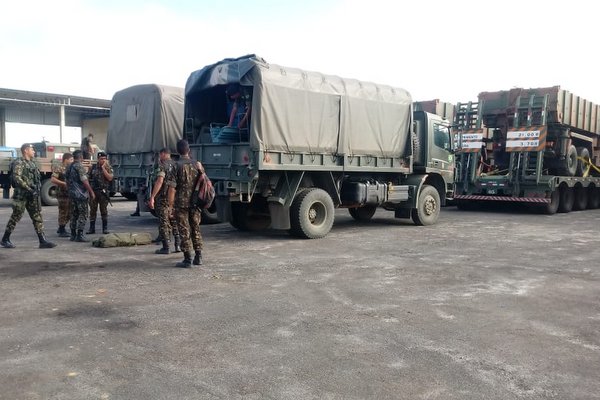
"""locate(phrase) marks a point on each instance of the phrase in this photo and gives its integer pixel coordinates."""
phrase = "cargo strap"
(589, 166)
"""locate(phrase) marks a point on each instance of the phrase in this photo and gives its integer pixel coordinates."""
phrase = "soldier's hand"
(92, 196)
(151, 203)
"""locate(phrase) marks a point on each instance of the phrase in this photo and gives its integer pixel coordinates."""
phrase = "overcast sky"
(449, 50)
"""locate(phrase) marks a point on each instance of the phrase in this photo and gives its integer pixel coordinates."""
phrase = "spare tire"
(568, 166)
(582, 152)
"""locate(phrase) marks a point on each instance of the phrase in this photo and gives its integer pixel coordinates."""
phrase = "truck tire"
(129, 196)
(567, 198)
(581, 198)
(311, 214)
(428, 206)
(209, 215)
(552, 207)
(362, 213)
(48, 193)
(584, 153)
(593, 197)
(245, 218)
(569, 164)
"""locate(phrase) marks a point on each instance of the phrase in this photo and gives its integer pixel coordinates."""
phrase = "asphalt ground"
(483, 305)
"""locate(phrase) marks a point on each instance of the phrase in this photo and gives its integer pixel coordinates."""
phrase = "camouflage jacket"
(183, 179)
(58, 172)
(26, 176)
(97, 179)
(76, 175)
(164, 169)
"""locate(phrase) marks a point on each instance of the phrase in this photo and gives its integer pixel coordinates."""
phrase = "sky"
(448, 50)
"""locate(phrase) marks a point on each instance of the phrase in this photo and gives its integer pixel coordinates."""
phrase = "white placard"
(533, 134)
(472, 145)
(522, 143)
(472, 136)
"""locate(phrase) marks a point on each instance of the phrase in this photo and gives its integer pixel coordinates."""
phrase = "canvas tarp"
(300, 111)
(145, 118)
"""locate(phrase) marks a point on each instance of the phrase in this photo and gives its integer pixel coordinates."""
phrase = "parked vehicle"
(536, 146)
(315, 142)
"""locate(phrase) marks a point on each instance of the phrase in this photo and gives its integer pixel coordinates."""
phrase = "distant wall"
(97, 126)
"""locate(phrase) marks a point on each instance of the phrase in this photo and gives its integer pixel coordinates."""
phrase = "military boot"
(62, 232)
(73, 235)
(92, 228)
(164, 249)
(105, 226)
(177, 243)
(81, 237)
(45, 244)
(187, 260)
(198, 258)
(6, 241)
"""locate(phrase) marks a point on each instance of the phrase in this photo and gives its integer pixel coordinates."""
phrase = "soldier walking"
(26, 181)
(181, 186)
(100, 176)
(60, 180)
(80, 192)
(158, 200)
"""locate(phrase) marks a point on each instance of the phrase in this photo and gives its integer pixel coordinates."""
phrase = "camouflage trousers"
(166, 224)
(188, 224)
(34, 209)
(99, 200)
(79, 213)
(64, 210)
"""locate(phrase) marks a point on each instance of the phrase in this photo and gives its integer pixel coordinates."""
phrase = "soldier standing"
(100, 176)
(26, 181)
(158, 199)
(181, 186)
(80, 192)
(60, 180)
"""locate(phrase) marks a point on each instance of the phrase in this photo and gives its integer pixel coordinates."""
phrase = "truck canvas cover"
(145, 118)
(300, 111)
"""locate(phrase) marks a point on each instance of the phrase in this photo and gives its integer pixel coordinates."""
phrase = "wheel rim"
(317, 213)
(429, 205)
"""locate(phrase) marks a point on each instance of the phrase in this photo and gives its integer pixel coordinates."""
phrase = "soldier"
(60, 180)
(26, 179)
(158, 198)
(100, 176)
(181, 186)
(80, 191)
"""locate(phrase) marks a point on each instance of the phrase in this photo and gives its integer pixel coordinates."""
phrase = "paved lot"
(481, 306)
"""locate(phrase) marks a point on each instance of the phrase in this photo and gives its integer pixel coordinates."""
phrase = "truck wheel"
(593, 197)
(552, 207)
(567, 198)
(569, 164)
(48, 193)
(362, 213)
(428, 206)
(581, 198)
(209, 215)
(129, 196)
(245, 218)
(584, 153)
(311, 214)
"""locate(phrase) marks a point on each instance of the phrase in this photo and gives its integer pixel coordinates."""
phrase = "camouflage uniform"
(183, 179)
(78, 195)
(166, 224)
(64, 216)
(26, 195)
(101, 188)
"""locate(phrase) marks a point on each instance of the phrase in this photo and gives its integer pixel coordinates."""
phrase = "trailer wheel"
(552, 207)
(567, 198)
(428, 207)
(581, 198)
(311, 214)
(362, 213)
(569, 164)
(584, 153)
(48, 193)
(593, 197)
(245, 218)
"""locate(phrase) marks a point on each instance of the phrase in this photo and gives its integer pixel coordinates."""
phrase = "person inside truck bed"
(239, 106)
(88, 147)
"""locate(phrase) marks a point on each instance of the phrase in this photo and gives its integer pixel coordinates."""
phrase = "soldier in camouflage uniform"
(181, 186)
(80, 191)
(100, 176)
(158, 200)
(64, 204)
(26, 181)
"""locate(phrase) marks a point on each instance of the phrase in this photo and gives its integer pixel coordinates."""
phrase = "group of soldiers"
(81, 192)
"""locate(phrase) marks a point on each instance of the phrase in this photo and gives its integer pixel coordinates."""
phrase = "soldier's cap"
(101, 154)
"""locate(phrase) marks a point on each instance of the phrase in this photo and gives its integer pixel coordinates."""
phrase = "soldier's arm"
(54, 179)
(107, 172)
(86, 183)
(18, 177)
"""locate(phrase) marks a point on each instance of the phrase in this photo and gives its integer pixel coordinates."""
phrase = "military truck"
(536, 146)
(46, 155)
(315, 142)
(143, 120)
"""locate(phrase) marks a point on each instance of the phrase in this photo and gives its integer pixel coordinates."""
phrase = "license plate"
(491, 191)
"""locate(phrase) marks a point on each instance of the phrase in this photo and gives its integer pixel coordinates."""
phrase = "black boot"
(164, 249)
(105, 226)
(62, 232)
(6, 241)
(80, 237)
(177, 243)
(198, 258)
(92, 228)
(44, 244)
(73, 235)
(187, 260)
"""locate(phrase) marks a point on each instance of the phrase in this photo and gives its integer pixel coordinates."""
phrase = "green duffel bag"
(122, 240)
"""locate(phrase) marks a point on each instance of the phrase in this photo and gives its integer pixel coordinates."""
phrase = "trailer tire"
(581, 198)
(552, 207)
(48, 193)
(569, 164)
(364, 213)
(311, 214)
(428, 206)
(584, 153)
(567, 198)
(593, 197)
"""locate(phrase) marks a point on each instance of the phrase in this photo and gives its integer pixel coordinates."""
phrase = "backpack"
(11, 174)
(204, 192)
